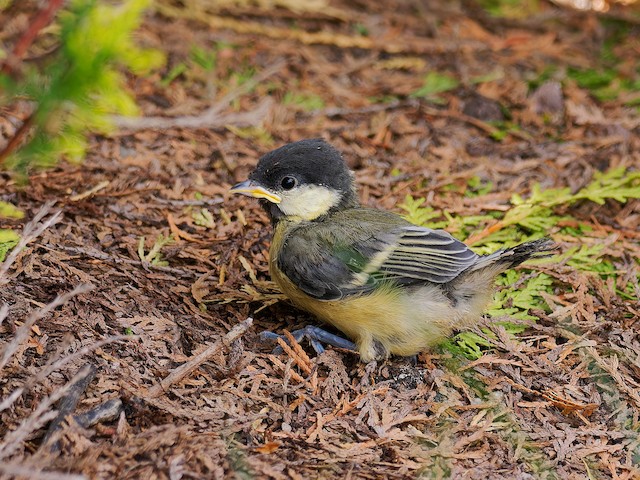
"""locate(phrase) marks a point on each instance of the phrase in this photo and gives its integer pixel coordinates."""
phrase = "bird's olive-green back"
(354, 250)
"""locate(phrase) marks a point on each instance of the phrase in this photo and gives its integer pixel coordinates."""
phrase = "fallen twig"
(105, 412)
(212, 117)
(68, 404)
(413, 46)
(295, 351)
(41, 20)
(15, 141)
(41, 415)
(87, 193)
(185, 369)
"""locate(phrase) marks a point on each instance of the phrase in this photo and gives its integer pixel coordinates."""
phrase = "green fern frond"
(419, 215)
(8, 240)
(528, 219)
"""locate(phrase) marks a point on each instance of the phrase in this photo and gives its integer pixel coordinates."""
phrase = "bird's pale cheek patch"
(308, 202)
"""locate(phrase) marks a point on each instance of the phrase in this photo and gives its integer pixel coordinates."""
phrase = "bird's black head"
(302, 181)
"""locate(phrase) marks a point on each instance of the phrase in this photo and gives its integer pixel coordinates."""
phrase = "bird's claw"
(316, 336)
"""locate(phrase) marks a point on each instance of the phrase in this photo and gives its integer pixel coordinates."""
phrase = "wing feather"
(346, 260)
(428, 255)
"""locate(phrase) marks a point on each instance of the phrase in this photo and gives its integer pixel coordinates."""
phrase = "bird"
(392, 287)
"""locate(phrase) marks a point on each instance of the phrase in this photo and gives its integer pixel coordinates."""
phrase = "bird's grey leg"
(316, 336)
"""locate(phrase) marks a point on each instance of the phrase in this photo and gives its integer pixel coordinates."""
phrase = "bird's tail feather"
(511, 257)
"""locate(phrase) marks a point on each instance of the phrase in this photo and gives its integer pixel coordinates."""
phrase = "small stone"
(548, 98)
(483, 108)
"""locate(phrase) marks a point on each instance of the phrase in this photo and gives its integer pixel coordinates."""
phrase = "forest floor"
(444, 112)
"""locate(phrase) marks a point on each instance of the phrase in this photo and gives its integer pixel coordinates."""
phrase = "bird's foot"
(316, 336)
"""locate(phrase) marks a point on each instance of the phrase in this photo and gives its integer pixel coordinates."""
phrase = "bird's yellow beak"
(252, 189)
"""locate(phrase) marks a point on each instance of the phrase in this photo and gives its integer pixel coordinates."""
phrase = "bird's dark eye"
(288, 182)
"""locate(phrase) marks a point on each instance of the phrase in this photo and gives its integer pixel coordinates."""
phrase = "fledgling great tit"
(390, 286)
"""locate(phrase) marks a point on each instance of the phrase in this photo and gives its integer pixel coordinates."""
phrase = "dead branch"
(41, 20)
(208, 119)
(105, 412)
(185, 369)
(41, 415)
(15, 141)
(211, 117)
(409, 45)
(67, 405)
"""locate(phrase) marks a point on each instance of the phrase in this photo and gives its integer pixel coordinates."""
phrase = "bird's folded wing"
(336, 264)
(422, 254)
